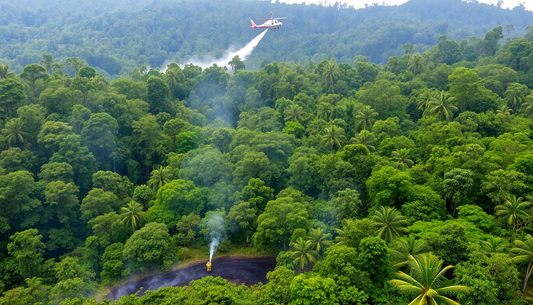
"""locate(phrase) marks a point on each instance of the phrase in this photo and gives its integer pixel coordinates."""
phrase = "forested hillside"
(373, 184)
(119, 37)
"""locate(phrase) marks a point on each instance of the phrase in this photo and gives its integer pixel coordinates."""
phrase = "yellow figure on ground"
(208, 266)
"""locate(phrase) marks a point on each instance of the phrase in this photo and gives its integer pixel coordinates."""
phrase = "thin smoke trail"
(223, 61)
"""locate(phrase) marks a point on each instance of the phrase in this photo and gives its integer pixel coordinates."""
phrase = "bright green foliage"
(32, 73)
(280, 218)
(475, 274)
(451, 244)
(278, 286)
(374, 258)
(389, 223)
(320, 240)
(97, 202)
(334, 136)
(514, 211)
(205, 167)
(19, 205)
(303, 253)
(149, 246)
(187, 229)
(62, 199)
(132, 215)
(427, 281)
(406, 247)
(27, 249)
(160, 177)
(456, 185)
(113, 263)
(176, 199)
(311, 290)
(522, 253)
(11, 95)
(353, 231)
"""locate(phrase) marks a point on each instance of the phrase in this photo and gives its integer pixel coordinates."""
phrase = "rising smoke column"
(223, 61)
(214, 223)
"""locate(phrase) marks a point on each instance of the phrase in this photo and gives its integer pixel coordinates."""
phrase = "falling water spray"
(228, 55)
(215, 224)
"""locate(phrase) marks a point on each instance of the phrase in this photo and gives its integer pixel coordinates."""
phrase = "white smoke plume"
(206, 62)
(215, 224)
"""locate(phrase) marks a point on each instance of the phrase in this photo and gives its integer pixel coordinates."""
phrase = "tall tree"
(334, 136)
(324, 109)
(390, 223)
(75, 63)
(32, 73)
(365, 117)
(402, 156)
(295, 113)
(365, 138)
(4, 72)
(47, 62)
(428, 281)
(160, 177)
(27, 249)
(457, 184)
(132, 215)
(442, 107)
(320, 240)
(14, 132)
(330, 74)
(523, 254)
(514, 211)
(416, 64)
(303, 253)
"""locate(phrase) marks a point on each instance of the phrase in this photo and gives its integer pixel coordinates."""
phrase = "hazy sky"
(361, 3)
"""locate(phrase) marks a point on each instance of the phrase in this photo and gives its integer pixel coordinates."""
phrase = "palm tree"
(515, 96)
(523, 254)
(295, 113)
(333, 136)
(330, 74)
(493, 245)
(58, 67)
(504, 111)
(406, 247)
(47, 62)
(184, 114)
(402, 156)
(36, 285)
(364, 138)
(173, 77)
(302, 253)
(427, 281)
(13, 132)
(425, 98)
(160, 177)
(4, 72)
(525, 107)
(442, 108)
(416, 64)
(299, 69)
(389, 223)
(324, 109)
(514, 211)
(365, 117)
(320, 240)
(132, 214)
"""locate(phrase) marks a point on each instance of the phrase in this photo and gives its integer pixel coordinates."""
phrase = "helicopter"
(271, 23)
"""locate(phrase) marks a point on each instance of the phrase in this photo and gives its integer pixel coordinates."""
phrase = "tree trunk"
(529, 270)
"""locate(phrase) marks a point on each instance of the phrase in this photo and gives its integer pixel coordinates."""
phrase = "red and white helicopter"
(271, 23)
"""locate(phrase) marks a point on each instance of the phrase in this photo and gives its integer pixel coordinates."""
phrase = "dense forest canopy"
(115, 38)
(372, 184)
